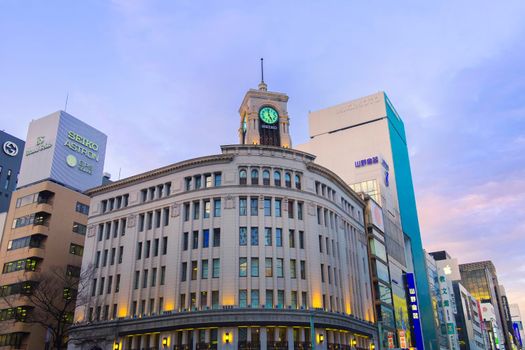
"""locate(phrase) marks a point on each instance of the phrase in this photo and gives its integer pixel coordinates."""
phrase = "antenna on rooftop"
(262, 84)
(65, 106)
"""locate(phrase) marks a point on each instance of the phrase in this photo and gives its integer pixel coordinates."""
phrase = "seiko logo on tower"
(85, 147)
(10, 148)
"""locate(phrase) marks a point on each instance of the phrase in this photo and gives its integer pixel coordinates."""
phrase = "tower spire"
(262, 84)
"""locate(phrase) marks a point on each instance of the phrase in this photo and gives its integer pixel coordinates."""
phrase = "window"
(195, 240)
(185, 240)
(166, 216)
(162, 275)
(293, 268)
(278, 207)
(294, 299)
(279, 267)
(255, 177)
(184, 271)
(207, 180)
(198, 181)
(205, 238)
(112, 256)
(196, 210)
(277, 178)
(254, 206)
(97, 259)
(303, 269)
(242, 298)
(216, 237)
(216, 268)
(150, 220)
(291, 238)
(117, 284)
(301, 239)
(268, 272)
(164, 245)
(279, 237)
(141, 222)
(266, 177)
(255, 297)
(186, 211)
(280, 298)
(269, 299)
(139, 250)
(254, 267)
(76, 249)
(147, 249)
(267, 236)
(217, 179)
(217, 207)
(156, 247)
(82, 208)
(267, 206)
(136, 280)
(300, 206)
(243, 267)
(320, 244)
(194, 270)
(204, 269)
(187, 183)
(242, 206)
(157, 218)
(242, 177)
(207, 208)
(287, 180)
(120, 254)
(153, 277)
(145, 279)
(254, 236)
(79, 228)
(290, 209)
(322, 273)
(215, 299)
(243, 236)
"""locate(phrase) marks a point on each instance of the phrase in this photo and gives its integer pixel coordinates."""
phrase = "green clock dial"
(244, 124)
(268, 115)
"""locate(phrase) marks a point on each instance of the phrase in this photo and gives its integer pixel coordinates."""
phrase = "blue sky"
(164, 81)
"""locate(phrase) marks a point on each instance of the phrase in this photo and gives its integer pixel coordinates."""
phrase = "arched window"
(297, 182)
(287, 180)
(266, 177)
(242, 177)
(277, 178)
(255, 177)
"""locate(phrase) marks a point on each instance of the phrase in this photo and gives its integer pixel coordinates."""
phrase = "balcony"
(302, 345)
(41, 219)
(206, 346)
(249, 345)
(277, 345)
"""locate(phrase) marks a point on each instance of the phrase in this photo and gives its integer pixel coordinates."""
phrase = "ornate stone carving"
(131, 221)
(175, 210)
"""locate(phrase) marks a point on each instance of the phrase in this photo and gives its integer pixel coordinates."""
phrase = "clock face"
(244, 124)
(268, 115)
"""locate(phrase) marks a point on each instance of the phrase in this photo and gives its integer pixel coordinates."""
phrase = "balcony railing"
(249, 345)
(206, 346)
(302, 345)
(277, 345)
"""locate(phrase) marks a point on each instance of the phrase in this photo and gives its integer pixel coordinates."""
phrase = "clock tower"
(264, 117)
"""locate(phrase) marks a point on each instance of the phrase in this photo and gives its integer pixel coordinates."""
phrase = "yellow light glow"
(122, 311)
(228, 299)
(166, 341)
(348, 308)
(169, 305)
(320, 338)
(317, 300)
(227, 337)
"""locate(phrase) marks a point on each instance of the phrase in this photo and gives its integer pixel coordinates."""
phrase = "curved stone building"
(255, 248)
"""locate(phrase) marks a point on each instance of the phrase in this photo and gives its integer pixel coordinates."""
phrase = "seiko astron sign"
(64, 149)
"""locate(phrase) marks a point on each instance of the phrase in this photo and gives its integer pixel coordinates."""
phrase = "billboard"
(414, 310)
(62, 148)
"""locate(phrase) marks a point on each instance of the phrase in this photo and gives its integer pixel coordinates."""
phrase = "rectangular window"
(291, 238)
(279, 237)
(278, 207)
(112, 256)
(196, 210)
(322, 273)
(156, 243)
(182, 300)
(139, 250)
(184, 271)
(147, 249)
(267, 236)
(243, 267)
(216, 237)
(280, 298)
(290, 208)
(267, 206)
(162, 275)
(76, 249)
(215, 299)
(243, 236)
(279, 267)
(217, 207)
(97, 259)
(136, 280)
(303, 269)
(243, 203)
(300, 206)
(105, 257)
(79, 228)
(185, 240)
(94, 287)
(216, 268)
(187, 183)
(154, 277)
(205, 238)
(157, 218)
(301, 239)
(255, 297)
(269, 299)
(195, 240)
(145, 279)
(186, 211)
(217, 179)
(82, 208)
(115, 228)
(268, 272)
(198, 181)
(120, 254)
(141, 222)
(320, 244)
(254, 206)
(254, 268)
(207, 208)
(117, 284)
(194, 270)
(150, 220)
(293, 268)
(294, 299)
(166, 216)
(242, 298)
(207, 180)
(204, 269)
(254, 236)
(122, 226)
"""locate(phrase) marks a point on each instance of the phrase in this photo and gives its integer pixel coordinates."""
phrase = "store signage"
(41, 145)
(516, 328)
(402, 340)
(83, 146)
(368, 161)
(414, 310)
(266, 126)
(10, 148)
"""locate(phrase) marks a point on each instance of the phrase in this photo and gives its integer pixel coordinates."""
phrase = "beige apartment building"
(45, 229)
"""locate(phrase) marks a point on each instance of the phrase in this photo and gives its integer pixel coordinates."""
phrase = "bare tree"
(51, 298)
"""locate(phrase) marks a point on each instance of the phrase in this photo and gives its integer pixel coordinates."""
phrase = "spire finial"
(262, 84)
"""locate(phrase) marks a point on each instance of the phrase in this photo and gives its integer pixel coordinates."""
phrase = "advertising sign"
(376, 215)
(414, 310)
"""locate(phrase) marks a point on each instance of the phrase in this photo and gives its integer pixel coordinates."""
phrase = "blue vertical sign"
(415, 316)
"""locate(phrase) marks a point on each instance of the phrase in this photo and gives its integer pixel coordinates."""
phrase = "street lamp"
(354, 342)
(321, 338)
(164, 342)
(116, 346)
(227, 337)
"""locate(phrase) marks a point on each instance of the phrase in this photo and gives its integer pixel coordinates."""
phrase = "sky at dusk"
(164, 81)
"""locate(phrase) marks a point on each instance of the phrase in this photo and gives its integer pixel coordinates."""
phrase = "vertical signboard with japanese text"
(414, 310)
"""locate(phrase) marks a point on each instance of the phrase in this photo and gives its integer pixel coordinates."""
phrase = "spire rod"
(262, 84)
(262, 70)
